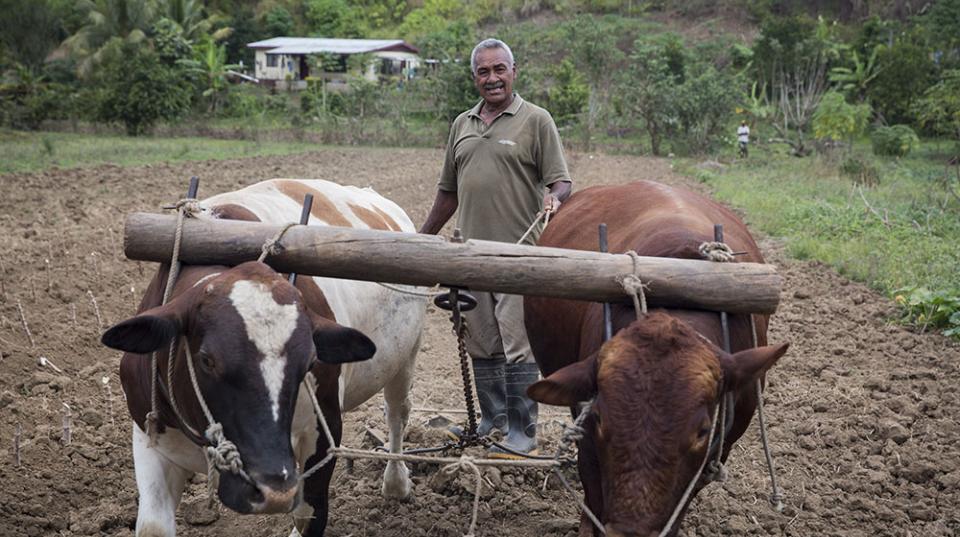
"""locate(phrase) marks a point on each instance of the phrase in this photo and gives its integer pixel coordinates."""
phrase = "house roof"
(313, 45)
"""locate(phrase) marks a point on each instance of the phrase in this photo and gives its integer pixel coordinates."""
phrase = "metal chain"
(470, 436)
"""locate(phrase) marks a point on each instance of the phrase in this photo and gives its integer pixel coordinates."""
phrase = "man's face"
(494, 76)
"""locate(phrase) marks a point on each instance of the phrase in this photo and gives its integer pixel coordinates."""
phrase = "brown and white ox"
(253, 337)
(658, 381)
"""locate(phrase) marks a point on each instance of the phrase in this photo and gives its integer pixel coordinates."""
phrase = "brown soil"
(862, 413)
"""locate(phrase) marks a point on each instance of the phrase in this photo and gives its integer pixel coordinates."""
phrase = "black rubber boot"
(521, 412)
(491, 392)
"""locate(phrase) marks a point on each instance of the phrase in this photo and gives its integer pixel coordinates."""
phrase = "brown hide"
(651, 219)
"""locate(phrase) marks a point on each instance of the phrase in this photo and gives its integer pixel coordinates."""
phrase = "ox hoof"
(396, 481)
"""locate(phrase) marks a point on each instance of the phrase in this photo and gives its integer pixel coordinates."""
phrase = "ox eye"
(207, 361)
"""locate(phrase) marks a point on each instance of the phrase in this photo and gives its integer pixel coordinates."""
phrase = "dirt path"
(863, 414)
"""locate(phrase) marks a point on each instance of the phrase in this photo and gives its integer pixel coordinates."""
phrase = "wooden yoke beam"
(415, 259)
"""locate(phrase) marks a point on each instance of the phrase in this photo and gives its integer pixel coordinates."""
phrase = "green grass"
(34, 151)
(902, 234)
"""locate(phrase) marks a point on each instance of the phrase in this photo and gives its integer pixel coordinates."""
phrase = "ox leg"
(160, 483)
(396, 395)
(588, 465)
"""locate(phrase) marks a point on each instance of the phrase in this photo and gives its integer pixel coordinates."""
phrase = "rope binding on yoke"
(634, 286)
(717, 252)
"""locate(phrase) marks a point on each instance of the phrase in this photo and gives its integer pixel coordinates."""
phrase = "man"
(743, 138)
(503, 165)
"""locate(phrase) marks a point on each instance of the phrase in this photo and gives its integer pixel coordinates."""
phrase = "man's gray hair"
(488, 44)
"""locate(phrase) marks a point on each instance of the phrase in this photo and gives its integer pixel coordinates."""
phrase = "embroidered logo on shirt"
(507, 142)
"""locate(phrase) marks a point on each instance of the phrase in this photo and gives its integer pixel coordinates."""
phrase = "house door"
(304, 67)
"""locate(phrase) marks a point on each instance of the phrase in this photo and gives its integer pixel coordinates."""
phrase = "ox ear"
(144, 333)
(567, 386)
(745, 367)
(337, 344)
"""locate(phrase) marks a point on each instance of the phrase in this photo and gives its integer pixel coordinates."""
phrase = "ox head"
(656, 385)
(252, 342)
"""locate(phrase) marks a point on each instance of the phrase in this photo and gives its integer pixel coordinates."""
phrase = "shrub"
(860, 172)
(838, 120)
(924, 309)
(895, 141)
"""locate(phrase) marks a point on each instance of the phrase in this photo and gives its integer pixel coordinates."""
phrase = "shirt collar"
(511, 110)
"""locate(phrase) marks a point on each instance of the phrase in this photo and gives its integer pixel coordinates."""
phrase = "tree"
(433, 16)
(450, 84)
(169, 41)
(593, 47)
(568, 95)
(108, 21)
(944, 22)
(278, 22)
(704, 102)
(837, 120)
(210, 66)
(906, 71)
(939, 109)
(798, 78)
(646, 91)
(139, 90)
(190, 15)
(29, 30)
(333, 18)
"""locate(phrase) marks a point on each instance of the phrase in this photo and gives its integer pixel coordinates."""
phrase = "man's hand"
(551, 203)
(559, 192)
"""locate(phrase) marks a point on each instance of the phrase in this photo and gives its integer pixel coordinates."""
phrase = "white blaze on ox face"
(269, 326)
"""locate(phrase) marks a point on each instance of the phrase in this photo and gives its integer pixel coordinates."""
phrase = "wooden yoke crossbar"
(415, 259)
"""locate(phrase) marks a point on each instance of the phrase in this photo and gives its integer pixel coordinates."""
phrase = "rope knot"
(776, 500)
(717, 252)
(273, 246)
(188, 206)
(223, 454)
(716, 471)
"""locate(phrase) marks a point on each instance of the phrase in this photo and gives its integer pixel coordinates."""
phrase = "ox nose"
(279, 493)
(276, 500)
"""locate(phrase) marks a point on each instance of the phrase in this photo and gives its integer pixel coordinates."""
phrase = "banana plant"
(856, 80)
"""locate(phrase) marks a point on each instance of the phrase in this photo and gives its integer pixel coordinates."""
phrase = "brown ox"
(658, 382)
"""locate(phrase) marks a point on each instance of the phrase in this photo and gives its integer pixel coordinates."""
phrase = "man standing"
(503, 165)
(743, 138)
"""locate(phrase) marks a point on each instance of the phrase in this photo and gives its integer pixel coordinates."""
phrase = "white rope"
(186, 208)
(540, 216)
(422, 294)
(222, 455)
(776, 494)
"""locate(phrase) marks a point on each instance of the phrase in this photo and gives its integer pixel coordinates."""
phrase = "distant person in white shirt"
(743, 138)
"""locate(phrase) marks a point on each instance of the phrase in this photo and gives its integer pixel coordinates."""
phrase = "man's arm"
(444, 205)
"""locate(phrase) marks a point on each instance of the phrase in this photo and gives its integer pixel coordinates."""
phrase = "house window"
(272, 60)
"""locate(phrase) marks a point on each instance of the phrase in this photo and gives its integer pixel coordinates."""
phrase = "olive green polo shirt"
(501, 172)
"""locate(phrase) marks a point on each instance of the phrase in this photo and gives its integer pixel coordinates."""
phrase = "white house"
(285, 61)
